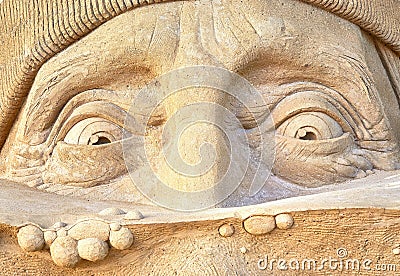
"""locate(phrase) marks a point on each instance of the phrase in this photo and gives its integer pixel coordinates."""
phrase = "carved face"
(321, 80)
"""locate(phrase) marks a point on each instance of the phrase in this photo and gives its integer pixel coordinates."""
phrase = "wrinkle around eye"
(36, 137)
(104, 110)
(301, 97)
(100, 103)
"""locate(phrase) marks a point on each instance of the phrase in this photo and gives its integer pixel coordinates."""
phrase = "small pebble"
(284, 221)
(259, 225)
(112, 212)
(121, 239)
(58, 225)
(90, 229)
(226, 230)
(133, 215)
(115, 226)
(92, 249)
(360, 174)
(343, 161)
(49, 237)
(243, 250)
(30, 238)
(396, 251)
(64, 252)
(369, 172)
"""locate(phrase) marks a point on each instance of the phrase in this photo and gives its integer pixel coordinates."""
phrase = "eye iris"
(311, 126)
(95, 132)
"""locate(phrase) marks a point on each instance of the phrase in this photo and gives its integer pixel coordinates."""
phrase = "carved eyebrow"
(47, 97)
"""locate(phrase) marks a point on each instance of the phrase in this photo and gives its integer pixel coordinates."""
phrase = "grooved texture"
(379, 17)
(32, 31)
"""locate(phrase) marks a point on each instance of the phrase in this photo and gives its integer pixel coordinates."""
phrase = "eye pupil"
(309, 136)
(306, 133)
(96, 140)
(102, 141)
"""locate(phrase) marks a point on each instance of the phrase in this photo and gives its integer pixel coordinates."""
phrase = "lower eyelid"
(313, 163)
(315, 147)
(84, 166)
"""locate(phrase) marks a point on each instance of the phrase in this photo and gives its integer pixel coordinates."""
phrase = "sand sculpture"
(112, 110)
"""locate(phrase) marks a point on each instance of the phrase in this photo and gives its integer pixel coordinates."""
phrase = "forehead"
(228, 33)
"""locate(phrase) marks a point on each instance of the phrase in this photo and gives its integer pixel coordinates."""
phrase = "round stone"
(284, 221)
(90, 229)
(92, 249)
(58, 225)
(115, 226)
(133, 215)
(62, 232)
(112, 212)
(121, 239)
(226, 230)
(259, 225)
(49, 237)
(64, 252)
(30, 238)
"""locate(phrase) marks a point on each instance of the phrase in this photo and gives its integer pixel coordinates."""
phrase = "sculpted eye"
(95, 132)
(311, 126)
(87, 144)
(317, 140)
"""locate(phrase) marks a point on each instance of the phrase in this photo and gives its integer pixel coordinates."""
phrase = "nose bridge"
(196, 146)
(193, 96)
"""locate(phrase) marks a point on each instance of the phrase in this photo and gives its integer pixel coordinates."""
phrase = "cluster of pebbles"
(88, 239)
(91, 239)
(260, 225)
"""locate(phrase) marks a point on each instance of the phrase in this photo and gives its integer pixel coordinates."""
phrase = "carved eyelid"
(307, 100)
(88, 104)
(80, 99)
(98, 109)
